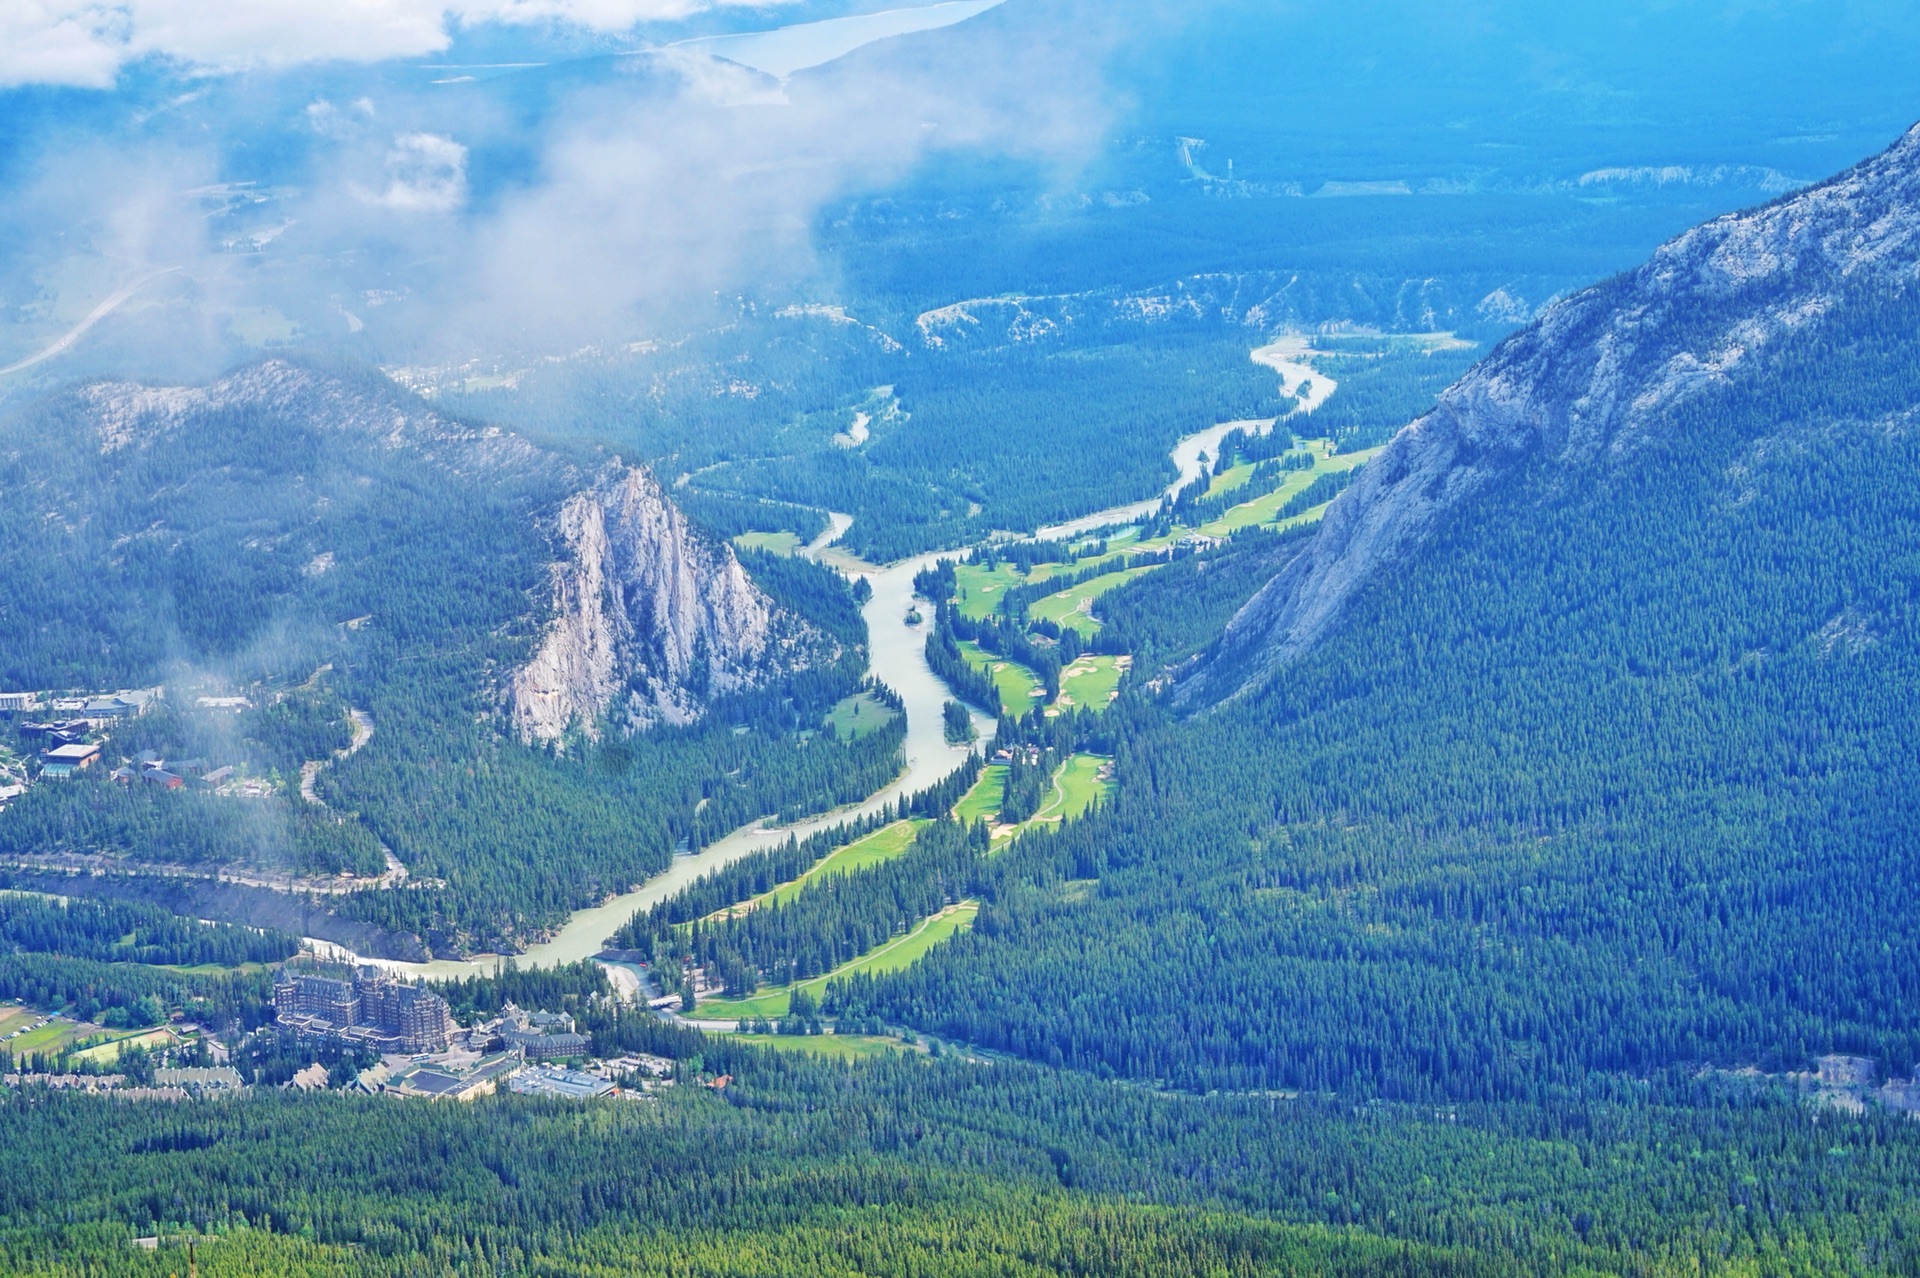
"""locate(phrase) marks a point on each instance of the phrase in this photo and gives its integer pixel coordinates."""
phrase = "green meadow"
(1073, 607)
(1091, 681)
(1076, 787)
(901, 951)
(1019, 687)
(839, 1047)
(1262, 509)
(982, 802)
(857, 716)
(780, 543)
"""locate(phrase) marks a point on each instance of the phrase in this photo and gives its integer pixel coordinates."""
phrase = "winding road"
(98, 313)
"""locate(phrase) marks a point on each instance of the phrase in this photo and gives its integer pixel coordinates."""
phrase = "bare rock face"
(1590, 382)
(649, 620)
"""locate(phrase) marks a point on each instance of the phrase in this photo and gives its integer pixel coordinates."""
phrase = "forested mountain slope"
(297, 530)
(1607, 768)
(202, 518)
(1598, 381)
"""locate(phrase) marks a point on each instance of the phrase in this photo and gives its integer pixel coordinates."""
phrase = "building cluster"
(362, 1007)
(536, 1036)
(149, 767)
(65, 728)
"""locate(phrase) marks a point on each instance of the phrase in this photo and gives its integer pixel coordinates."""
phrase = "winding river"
(1286, 356)
(897, 657)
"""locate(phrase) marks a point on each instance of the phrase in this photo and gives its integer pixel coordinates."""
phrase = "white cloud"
(426, 173)
(85, 42)
(56, 42)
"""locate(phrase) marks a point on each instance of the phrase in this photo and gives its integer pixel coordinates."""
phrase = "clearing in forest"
(838, 1047)
(900, 952)
(1072, 608)
(859, 715)
(1091, 681)
(978, 590)
(880, 846)
(56, 1035)
(108, 1053)
(1018, 686)
(780, 543)
(982, 802)
(1261, 510)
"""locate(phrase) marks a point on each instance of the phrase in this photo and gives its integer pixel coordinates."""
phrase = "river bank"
(896, 656)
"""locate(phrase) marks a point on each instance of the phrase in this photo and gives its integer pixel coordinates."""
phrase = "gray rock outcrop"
(1586, 385)
(650, 620)
(643, 620)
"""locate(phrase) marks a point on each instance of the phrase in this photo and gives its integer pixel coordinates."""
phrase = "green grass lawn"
(108, 1052)
(1091, 681)
(780, 543)
(883, 844)
(839, 1047)
(857, 716)
(982, 802)
(56, 1035)
(1073, 607)
(13, 1017)
(979, 590)
(1075, 789)
(1019, 687)
(1261, 510)
(1234, 476)
(900, 952)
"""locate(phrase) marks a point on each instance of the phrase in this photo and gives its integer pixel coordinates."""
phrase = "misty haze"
(1020, 637)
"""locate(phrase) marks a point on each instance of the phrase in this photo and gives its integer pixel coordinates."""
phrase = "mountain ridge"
(1587, 384)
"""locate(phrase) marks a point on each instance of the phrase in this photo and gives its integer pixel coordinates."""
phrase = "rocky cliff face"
(1596, 377)
(649, 619)
(642, 620)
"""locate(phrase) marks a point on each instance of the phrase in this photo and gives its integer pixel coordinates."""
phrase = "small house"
(162, 778)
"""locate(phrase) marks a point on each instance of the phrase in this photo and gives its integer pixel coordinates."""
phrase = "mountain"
(310, 538)
(649, 619)
(638, 599)
(1574, 753)
(1590, 386)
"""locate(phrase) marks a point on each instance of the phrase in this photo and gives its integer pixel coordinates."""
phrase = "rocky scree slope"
(643, 619)
(1595, 378)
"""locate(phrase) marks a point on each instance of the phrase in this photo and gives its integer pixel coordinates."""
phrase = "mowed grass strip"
(982, 802)
(56, 1035)
(1018, 686)
(898, 953)
(838, 1047)
(1261, 510)
(1078, 784)
(979, 590)
(884, 844)
(109, 1052)
(1072, 608)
